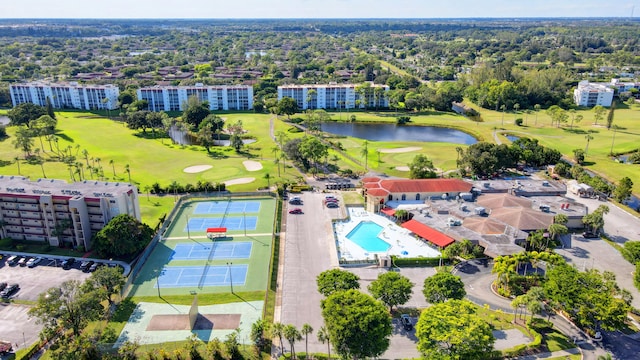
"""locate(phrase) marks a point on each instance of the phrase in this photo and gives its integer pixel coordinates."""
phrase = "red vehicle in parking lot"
(296, 211)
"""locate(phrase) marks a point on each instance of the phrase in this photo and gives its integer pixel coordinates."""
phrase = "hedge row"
(419, 261)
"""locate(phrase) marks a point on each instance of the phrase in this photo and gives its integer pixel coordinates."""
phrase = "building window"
(404, 197)
(417, 196)
(390, 197)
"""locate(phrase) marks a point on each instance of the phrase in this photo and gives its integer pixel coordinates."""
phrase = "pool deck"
(402, 242)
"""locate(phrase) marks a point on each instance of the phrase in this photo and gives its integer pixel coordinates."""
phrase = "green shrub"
(419, 261)
(27, 353)
(636, 276)
(631, 251)
(518, 122)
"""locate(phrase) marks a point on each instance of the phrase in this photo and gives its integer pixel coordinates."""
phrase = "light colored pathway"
(550, 355)
(403, 168)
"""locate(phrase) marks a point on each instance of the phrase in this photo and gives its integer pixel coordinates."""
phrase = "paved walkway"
(550, 355)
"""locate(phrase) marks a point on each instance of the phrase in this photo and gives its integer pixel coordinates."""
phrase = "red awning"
(388, 211)
(428, 233)
(217, 230)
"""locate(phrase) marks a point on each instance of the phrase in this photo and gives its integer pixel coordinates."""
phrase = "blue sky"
(315, 8)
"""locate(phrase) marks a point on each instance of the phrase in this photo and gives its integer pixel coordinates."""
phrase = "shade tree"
(391, 288)
(443, 286)
(334, 280)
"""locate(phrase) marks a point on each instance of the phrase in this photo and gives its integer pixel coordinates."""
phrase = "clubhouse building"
(219, 97)
(57, 212)
(66, 95)
(336, 96)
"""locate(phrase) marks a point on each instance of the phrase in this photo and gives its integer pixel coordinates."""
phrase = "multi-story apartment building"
(58, 212)
(219, 97)
(66, 96)
(591, 94)
(336, 96)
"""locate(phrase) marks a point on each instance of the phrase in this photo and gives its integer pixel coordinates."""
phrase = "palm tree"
(292, 334)
(85, 153)
(113, 167)
(17, 159)
(267, 176)
(503, 108)
(365, 152)
(516, 107)
(323, 336)
(537, 108)
(607, 356)
(586, 148)
(278, 330)
(128, 170)
(306, 330)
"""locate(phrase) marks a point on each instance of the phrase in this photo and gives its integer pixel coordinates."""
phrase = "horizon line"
(330, 18)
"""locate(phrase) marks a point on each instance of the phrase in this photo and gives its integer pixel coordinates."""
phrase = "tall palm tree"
(503, 108)
(537, 108)
(128, 170)
(323, 336)
(113, 167)
(516, 107)
(267, 176)
(306, 330)
(278, 330)
(292, 334)
(17, 159)
(365, 152)
(586, 148)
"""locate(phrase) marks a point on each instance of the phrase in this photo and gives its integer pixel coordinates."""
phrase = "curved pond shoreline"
(384, 131)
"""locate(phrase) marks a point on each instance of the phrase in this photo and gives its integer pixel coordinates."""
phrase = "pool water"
(365, 235)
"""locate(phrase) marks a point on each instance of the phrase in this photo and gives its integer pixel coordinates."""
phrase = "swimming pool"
(365, 235)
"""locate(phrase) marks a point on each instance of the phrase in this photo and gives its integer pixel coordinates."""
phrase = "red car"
(296, 211)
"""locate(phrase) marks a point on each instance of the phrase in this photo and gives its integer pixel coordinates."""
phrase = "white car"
(33, 262)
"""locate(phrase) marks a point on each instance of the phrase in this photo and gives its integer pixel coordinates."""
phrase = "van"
(13, 260)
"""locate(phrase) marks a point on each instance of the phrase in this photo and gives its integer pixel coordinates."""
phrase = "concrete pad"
(403, 168)
(506, 339)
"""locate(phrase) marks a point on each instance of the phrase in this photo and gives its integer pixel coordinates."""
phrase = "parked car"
(67, 264)
(296, 211)
(332, 205)
(94, 266)
(407, 324)
(590, 235)
(295, 202)
(3, 285)
(330, 197)
(33, 262)
(23, 261)
(9, 290)
(5, 347)
(85, 265)
(13, 260)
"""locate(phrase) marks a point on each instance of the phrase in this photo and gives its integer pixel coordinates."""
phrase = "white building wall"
(590, 94)
(212, 96)
(73, 95)
(325, 101)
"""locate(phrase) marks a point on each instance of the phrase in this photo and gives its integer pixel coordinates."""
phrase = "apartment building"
(66, 96)
(592, 94)
(219, 97)
(58, 212)
(336, 96)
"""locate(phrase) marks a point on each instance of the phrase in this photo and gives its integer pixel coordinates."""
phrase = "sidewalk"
(550, 355)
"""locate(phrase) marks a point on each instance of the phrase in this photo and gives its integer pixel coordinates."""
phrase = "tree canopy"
(286, 106)
(453, 330)
(359, 326)
(421, 168)
(123, 235)
(24, 113)
(195, 112)
(391, 288)
(443, 286)
(334, 280)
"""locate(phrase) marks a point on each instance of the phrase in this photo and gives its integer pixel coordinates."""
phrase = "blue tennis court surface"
(230, 222)
(184, 276)
(219, 250)
(231, 207)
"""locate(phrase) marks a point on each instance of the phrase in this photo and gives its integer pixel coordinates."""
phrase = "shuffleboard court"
(229, 207)
(216, 251)
(191, 276)
(230, 222)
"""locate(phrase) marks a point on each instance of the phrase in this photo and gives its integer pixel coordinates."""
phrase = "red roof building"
(432, 235)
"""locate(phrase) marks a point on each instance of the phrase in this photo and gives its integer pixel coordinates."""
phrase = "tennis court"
(224, 207)
(230, 222)
(192, 276)
(217, 250)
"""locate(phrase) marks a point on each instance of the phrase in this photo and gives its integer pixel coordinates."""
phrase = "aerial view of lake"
(393, 132)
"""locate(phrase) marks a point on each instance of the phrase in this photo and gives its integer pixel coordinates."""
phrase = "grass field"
(145, 285)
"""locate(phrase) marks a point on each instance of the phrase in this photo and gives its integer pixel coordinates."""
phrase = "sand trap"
(239, 181)
(400, 150)
(403, 168)
(197, 169)
(251, 165)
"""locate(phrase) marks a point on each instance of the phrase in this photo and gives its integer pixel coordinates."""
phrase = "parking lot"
(15, 324)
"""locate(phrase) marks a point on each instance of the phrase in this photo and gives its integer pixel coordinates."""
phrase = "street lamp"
(230, 275)
(188, 232)
(158, 282)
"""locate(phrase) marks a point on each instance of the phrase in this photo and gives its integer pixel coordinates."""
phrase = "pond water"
(393, 132)
(512, 138)
(182, 137)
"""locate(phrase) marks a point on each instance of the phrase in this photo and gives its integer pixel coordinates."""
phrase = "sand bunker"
(400, 150)
(240, 181)
(251, 165)
(197, 169)
(403, 168)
